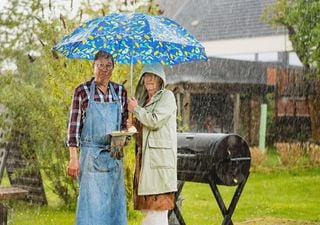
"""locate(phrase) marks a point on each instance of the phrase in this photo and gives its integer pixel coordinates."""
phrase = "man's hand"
(116, 152)
(127, 141)
(74, 165)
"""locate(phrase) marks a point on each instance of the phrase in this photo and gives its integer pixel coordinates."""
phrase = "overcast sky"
(58, 5)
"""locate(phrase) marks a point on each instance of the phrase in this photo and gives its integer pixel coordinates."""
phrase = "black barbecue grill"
(216, 159)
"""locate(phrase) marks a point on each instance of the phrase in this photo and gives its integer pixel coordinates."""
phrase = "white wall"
(278, 43)
(264, 49)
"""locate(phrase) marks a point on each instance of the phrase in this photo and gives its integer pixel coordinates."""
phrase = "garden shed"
(229, 92)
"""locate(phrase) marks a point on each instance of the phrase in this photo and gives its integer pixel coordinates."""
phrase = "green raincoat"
(158, 172)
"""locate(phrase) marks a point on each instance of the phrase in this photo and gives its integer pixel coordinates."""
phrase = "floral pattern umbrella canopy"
(133, 38)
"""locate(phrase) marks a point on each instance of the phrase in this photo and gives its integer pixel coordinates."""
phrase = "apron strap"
(116, 99)
(91, 95)
(92, 90)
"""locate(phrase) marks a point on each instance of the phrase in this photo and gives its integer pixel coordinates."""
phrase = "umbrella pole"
(131, 77)
(132, 128)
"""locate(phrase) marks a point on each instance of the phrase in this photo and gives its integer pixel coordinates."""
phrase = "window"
(294, 60)
(248, 57)
(268, 57)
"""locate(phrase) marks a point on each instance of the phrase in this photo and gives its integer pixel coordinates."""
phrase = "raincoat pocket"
(103, 162)
(161, 154)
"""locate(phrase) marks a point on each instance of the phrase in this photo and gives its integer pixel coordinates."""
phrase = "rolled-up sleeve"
(75, 122)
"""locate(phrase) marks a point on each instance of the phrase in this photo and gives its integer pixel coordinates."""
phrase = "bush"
(314, 154)
(258, 156)
(290, 153)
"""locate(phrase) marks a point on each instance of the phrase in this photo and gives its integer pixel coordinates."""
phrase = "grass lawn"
(273, 195)
(25, 214)
(290, 194)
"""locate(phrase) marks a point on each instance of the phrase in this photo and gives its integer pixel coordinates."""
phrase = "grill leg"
(220, 202)
(3, 214)
(176, 208)
(235, 200)
(227, 213)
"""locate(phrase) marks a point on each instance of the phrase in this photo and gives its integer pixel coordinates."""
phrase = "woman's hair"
(104, 54)
(160, 79)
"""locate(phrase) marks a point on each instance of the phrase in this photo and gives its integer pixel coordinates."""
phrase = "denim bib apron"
(102, 197)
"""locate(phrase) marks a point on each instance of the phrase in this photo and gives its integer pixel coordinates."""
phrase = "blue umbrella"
(133, 38)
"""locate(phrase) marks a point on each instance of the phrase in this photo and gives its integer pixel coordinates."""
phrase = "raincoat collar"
(156, 97)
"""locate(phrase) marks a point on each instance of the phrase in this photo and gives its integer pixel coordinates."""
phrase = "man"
(99, 106)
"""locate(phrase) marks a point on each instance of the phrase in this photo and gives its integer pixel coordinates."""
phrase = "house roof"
(217, 70)
(210, 20)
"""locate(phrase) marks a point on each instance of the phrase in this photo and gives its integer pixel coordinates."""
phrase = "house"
(232, 29)
(247, 60)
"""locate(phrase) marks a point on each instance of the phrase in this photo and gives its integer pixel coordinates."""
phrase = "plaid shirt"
(80, 103)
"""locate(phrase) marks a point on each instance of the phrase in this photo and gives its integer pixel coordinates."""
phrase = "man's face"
(103, 69)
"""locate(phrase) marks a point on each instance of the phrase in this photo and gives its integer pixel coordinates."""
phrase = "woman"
(155, 179)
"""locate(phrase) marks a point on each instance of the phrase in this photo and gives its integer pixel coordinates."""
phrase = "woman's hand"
(132, 103)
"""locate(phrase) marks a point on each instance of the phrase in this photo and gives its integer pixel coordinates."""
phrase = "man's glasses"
(102, 66)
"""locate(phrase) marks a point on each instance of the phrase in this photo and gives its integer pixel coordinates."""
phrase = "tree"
(37, 94)
(302, 20)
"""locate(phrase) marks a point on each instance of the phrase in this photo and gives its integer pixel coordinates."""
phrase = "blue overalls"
(102, 197)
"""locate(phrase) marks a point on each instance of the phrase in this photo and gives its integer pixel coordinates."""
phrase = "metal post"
(263, 127)
(236, 113)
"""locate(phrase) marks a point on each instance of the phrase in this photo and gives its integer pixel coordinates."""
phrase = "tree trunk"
(314, 108)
